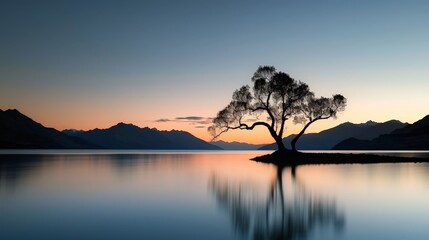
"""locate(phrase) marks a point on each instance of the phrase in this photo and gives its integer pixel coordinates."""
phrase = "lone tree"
(275, 97)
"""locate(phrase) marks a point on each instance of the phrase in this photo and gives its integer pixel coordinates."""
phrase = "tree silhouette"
(312, 109)
(274, 94)
(275, 97)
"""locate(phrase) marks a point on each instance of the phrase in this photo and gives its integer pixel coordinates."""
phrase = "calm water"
(207, 195)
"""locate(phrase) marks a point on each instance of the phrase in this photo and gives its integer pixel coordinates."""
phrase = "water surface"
(206, 195)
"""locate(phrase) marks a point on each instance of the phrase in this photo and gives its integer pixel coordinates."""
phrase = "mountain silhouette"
(411, 137)
(237, 145)
(129, 136)
(327, 139)
(18, 131)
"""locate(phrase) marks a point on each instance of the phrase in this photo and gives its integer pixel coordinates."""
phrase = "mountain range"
(327, 139)
(18, 131)
(129, 136)
(411, 137)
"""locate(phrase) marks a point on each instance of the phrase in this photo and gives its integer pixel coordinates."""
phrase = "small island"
(293, 158)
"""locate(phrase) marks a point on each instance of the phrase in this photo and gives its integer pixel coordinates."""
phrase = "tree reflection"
(290, 213)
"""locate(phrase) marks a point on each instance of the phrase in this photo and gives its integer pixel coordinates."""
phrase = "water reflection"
(17, 168)
(148, 195)
(286, 212)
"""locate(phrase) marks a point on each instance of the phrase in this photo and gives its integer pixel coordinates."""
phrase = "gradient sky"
(88, 64)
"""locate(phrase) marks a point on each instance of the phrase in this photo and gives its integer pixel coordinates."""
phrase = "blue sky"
(87, 64)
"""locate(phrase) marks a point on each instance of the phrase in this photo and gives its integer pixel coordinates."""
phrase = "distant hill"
(237, 145)
(327, 139)
(128, 136)
(411, 137)
(18, 131)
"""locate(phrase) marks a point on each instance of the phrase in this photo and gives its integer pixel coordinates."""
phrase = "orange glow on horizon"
(90, 117)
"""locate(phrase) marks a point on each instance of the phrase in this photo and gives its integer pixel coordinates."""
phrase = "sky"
(175, 64)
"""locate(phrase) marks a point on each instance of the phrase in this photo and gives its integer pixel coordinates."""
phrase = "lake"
(50, 194)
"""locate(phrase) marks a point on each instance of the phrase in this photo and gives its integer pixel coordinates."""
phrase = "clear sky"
(87, 64)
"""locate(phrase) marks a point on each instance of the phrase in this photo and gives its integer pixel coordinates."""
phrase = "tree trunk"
(295, 139)
(279, 141)
(280, 146)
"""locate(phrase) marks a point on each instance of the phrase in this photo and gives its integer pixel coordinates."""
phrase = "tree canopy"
(274, 98)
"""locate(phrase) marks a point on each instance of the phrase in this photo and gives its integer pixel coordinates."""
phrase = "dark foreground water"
(207, 195)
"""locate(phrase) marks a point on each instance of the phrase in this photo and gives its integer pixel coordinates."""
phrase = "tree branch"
(244, 126)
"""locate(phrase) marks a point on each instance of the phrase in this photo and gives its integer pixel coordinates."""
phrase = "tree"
(312, 109)
(274, 95)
